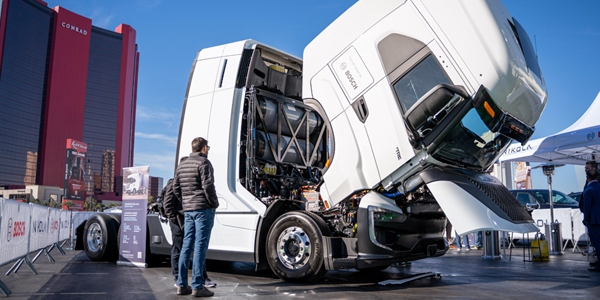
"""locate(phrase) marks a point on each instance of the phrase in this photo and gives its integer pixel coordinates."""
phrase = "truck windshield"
(471, 144)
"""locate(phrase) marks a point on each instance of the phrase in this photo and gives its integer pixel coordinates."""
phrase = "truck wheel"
(100, 238)
(295, 249)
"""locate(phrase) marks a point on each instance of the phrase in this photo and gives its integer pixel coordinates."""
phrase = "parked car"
(575, 195)
(538, 198)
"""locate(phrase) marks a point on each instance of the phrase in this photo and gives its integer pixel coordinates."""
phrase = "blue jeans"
(478, 241)
(461, 241)
(196, 233)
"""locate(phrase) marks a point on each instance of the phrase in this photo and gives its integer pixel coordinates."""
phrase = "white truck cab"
(355, 156)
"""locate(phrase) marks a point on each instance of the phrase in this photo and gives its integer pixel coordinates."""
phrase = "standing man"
(173, 209)
(173, 212)
(591, 206)
(194, 182)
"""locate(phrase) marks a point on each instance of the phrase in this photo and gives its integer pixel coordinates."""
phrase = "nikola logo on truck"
(344, 66)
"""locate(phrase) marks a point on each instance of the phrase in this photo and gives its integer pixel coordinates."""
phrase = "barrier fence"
(27, 228)
(572, 228)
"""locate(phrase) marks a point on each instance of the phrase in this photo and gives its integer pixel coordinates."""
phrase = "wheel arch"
(275, 210)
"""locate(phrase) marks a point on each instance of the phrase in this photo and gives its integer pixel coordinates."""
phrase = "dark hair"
(592, 174)
(198, 144)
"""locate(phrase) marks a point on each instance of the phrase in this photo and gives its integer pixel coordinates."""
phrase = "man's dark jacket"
(591, 203)
(171, 205)
(194, 183)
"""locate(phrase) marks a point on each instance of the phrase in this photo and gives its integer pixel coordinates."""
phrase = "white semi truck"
(356, 155)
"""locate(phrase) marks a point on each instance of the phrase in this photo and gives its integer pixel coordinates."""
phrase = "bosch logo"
(53, 226)
(591, 136)
(343, 66)
(15, 229)
(10, 230)
(351, 79)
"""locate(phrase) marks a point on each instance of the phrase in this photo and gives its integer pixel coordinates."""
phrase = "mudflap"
(475, 201)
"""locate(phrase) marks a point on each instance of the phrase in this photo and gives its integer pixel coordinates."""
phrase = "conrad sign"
(74, 28)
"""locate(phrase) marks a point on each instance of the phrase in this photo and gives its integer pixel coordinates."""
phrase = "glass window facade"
(101, 109)
(22, 90)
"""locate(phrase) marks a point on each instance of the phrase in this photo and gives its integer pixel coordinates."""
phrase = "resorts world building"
(62, 78)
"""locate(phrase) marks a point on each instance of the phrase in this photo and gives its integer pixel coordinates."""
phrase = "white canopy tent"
(575, 145)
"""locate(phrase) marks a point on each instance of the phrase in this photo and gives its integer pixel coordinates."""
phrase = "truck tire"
(294, 248)
(100, 238)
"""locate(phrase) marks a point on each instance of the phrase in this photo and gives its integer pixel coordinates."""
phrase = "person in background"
(462, 241)
(194, 184)
(478, 240)
(591, 207)
(451, 245)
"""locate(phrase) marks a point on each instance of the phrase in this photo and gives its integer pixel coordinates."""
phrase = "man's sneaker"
(209, 283)
(175, 285)
(202, 292)
(184, 290)
(452, 247)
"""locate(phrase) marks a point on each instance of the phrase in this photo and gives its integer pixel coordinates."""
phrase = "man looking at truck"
(173, 210)
(194, 186)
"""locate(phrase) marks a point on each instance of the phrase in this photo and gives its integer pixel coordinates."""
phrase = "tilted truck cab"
(355, 156)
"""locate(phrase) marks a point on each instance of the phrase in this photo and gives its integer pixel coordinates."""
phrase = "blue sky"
(169, 34)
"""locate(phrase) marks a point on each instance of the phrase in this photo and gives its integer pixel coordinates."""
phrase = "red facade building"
(62, 78)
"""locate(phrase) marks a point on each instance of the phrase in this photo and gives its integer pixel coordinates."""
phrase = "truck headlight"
(381, 214)
(378, 214)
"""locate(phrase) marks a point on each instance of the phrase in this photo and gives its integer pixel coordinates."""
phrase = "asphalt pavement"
(463, 275)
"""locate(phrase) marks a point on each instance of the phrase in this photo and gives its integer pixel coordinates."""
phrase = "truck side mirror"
(532, 206)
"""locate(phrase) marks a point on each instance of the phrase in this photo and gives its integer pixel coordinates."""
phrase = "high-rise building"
(63, 78)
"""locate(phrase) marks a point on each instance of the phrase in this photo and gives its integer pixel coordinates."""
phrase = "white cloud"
(101, 18)
(157, 136)
(169, 118)
(161, 165)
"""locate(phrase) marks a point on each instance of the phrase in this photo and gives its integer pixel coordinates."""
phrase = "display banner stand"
(132, 240)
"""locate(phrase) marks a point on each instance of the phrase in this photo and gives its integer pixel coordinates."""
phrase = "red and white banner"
(53, 225)
(14, 229)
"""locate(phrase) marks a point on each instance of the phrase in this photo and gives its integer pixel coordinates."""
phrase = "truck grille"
(505, 200)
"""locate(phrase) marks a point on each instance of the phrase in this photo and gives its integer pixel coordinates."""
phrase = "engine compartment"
(287, 145)
(284, 141)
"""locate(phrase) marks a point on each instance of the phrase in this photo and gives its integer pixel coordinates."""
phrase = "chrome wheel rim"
(94, 237)
(293, 247)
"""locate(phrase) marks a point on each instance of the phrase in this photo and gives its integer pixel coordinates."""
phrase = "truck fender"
(275, 210)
